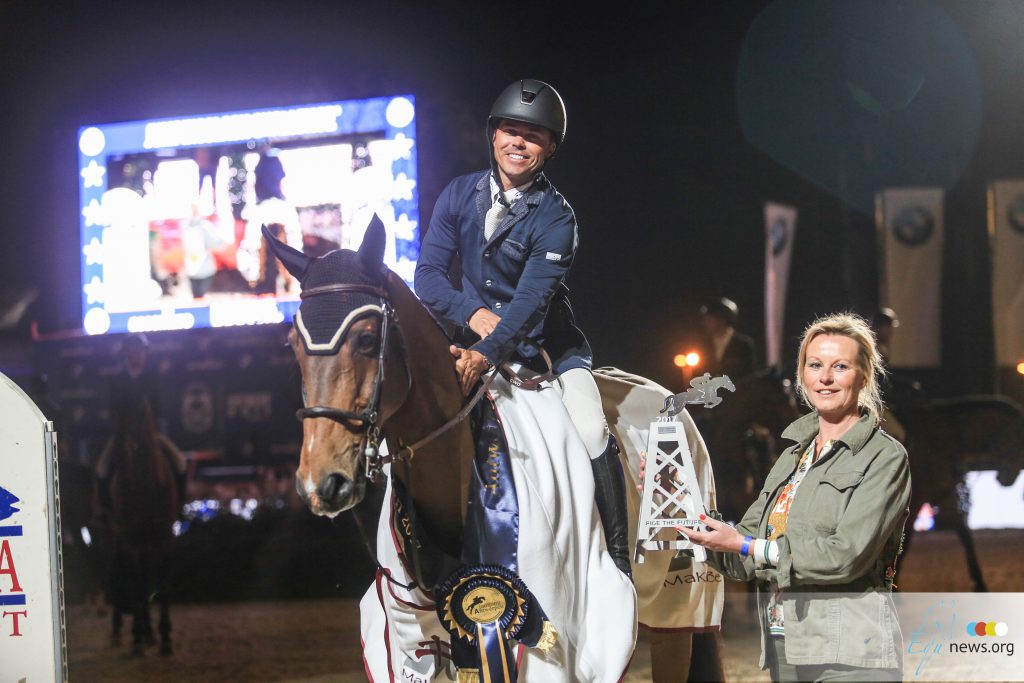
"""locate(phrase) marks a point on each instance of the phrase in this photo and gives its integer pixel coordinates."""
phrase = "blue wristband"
(745, 548)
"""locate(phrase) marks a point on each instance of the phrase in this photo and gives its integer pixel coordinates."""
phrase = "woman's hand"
(722, 537)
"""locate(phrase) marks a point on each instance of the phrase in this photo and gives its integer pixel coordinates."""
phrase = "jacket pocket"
(841, 481)
(514, 250)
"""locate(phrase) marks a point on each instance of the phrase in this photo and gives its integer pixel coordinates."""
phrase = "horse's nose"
(336, 491)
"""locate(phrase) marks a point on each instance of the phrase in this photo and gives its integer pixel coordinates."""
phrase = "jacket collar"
(532, 195)
(805, 429)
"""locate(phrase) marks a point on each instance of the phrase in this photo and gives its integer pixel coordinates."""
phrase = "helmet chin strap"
(495, 173)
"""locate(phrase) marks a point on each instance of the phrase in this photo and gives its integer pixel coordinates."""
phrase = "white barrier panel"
(32, 637)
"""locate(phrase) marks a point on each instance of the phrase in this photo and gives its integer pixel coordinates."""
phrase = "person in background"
(823, 537)
(727, 351)
(258, 264)
(136, 377)
(199, 239)
(513, 237)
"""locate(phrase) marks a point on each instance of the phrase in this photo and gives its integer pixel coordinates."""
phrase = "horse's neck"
(144, 463)
(438, 474)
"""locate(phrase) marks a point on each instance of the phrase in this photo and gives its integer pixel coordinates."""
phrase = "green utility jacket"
(844, 529)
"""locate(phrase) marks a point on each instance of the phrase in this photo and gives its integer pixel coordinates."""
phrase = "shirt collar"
(513, 195)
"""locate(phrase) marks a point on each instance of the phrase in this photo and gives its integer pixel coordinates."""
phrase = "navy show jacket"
(518, 274)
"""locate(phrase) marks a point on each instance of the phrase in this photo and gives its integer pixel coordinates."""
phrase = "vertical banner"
(910, 223)
(779, 230)
(1006, 235)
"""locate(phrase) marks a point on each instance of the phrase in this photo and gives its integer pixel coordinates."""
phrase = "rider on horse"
(514, 238)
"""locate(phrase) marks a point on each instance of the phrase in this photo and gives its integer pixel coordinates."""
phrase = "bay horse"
(144, 503)
(383, 409)
(946, 439)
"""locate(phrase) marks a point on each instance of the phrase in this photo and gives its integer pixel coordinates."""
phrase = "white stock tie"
(493, 218)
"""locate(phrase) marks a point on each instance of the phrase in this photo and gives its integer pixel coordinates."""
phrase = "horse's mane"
(398, 289)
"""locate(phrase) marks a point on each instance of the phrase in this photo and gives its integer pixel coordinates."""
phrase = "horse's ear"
(294, 260)
(371, 251)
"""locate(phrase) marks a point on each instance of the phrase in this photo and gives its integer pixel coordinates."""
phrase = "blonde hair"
(869, 361)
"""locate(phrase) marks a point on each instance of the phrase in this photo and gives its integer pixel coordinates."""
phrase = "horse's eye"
(366, 343)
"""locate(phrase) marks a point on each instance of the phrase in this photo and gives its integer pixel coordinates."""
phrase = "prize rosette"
(485, 608)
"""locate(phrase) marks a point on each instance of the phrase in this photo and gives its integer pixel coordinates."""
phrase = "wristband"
(745, 548)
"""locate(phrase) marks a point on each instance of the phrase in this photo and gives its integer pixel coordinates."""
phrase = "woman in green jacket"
(823, 536)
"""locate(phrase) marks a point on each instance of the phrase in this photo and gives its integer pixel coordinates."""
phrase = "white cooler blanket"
(562, 560)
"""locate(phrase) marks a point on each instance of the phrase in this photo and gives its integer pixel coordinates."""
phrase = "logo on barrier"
(12, 595)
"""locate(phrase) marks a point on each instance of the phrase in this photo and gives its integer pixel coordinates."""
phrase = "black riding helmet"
(723, 308)
(529, 101)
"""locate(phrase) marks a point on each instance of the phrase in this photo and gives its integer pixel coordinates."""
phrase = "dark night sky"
(667, 188)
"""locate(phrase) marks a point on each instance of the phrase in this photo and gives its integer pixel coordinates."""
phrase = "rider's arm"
(547, 264)
(440, 248)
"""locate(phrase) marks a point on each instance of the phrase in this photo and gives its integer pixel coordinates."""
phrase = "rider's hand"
(483, 322)
(469, 365)
(721, 537)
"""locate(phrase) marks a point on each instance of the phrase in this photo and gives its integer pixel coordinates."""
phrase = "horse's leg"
(147, 622)
(116, 623)
(670, 655)
(708, 664)
(140, 608)
(973, 568)
(166, 649)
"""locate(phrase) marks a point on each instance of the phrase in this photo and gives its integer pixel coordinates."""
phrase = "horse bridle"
(370, 416)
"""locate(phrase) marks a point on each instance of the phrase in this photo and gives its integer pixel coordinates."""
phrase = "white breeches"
(582, 400)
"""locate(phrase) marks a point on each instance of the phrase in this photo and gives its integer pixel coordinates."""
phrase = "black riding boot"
(610, 496)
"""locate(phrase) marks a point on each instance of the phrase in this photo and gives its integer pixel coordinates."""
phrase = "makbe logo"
(987, 628)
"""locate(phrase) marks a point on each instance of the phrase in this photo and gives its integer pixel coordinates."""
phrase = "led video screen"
(172, 209)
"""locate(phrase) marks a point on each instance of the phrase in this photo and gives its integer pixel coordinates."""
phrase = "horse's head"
(343, 336)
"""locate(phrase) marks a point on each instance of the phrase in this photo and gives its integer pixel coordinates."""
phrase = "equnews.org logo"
(987, 628)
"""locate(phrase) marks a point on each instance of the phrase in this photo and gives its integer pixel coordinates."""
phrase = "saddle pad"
(670, 594)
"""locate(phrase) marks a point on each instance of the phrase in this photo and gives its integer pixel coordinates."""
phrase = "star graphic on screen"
(93, 252)
(92, 213)
(405, 269)
(402, 146)
(7, 501)
(94, 291)
(93, 174)
(405, 229)
(403, 187)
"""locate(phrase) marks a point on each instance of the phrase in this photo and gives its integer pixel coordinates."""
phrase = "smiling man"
(511, 237)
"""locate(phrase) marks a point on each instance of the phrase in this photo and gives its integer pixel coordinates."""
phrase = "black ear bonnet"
(324, 317)
(323, 320)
